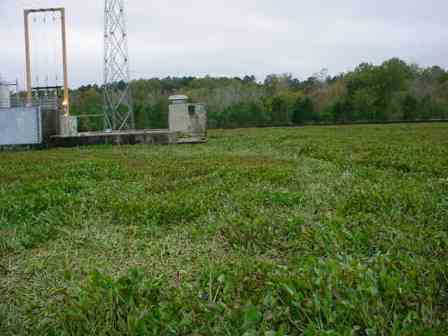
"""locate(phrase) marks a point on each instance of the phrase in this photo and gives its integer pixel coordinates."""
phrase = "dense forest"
(391, 91)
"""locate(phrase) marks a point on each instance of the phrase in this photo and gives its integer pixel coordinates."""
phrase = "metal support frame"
(118, 109)
(16, 84)
(15, 92)
(27, 12)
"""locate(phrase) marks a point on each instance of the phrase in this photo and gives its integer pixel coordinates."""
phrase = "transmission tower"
(118, 110)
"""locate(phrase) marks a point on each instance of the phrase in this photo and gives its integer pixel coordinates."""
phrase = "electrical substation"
(40, 116)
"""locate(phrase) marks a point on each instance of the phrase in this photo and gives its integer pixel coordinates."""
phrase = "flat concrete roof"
(114, 133)
(178, 97)
(127, 137)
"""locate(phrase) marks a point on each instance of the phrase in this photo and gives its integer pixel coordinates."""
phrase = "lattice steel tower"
(118, 110)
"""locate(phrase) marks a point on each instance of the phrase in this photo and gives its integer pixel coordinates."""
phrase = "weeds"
(310, 231)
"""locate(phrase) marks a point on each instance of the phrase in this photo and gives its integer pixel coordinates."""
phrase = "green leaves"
(311, 231)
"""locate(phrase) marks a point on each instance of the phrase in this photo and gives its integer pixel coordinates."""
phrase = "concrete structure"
(42, 125)
(5, 95)
(20, 126)
(68, 126)
(179, 99)
(187, 120)
(115, 138)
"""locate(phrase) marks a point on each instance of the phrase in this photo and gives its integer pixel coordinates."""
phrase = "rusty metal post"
(66, 101)
(29, 96)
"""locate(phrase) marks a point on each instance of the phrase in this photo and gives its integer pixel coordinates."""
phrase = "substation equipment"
(5, 93)
(56, 119)
(32, 118)
(42, 117)
(19, 124)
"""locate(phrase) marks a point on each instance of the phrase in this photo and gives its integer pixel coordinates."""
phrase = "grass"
(307, 231)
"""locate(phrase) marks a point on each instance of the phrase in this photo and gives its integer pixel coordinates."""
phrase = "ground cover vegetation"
(277, 231)
(393, 90)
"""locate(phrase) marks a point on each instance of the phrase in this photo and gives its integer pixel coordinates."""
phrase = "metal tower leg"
(118, 109)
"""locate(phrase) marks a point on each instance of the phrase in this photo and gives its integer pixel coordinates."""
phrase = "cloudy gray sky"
(235, 37)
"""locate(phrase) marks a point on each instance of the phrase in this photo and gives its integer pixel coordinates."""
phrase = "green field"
(315, 231)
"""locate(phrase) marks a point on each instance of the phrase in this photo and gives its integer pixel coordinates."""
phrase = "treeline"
(391, 91)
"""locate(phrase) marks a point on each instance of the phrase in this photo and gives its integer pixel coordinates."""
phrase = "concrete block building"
(186, 119)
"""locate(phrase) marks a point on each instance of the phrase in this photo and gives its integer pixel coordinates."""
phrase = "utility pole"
(118, 109)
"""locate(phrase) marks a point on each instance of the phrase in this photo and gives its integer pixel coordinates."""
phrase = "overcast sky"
(235, 37)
